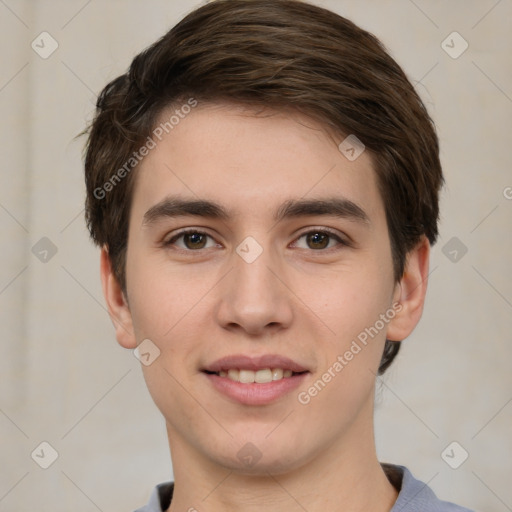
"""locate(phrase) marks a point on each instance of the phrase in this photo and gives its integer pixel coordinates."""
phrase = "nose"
(254, 297)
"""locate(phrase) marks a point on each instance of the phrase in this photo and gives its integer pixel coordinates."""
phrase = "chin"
(249, 459)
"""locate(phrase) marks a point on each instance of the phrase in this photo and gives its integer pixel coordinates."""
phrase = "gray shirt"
(414, 496)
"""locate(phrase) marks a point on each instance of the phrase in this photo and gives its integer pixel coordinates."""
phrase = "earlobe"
(117, 305)
(410, 292)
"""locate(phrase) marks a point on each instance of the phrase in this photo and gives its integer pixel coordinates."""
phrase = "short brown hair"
(278, 54)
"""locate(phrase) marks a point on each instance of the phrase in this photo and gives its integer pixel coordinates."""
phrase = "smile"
(260, 376)
(255, 380)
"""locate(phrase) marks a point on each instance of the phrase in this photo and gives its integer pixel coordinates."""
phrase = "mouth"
(260, 376)
(255, 380)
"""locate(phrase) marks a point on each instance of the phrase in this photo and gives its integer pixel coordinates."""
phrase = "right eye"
(192, 240)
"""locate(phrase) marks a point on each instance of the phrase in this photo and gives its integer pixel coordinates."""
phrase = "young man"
(263, 183)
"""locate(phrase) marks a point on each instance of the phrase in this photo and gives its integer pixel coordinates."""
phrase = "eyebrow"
(174, 206)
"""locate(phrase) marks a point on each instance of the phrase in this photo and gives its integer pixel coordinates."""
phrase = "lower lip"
(256, 394)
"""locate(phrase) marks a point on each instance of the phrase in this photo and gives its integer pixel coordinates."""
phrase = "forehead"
(249, 160)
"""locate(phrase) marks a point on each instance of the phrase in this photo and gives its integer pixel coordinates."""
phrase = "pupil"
(195, 239)
(315, 240)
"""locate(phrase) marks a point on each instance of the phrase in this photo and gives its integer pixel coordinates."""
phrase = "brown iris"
(321, 240)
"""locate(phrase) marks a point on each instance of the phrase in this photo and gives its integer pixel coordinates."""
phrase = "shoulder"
(160, 498)
(414, 495)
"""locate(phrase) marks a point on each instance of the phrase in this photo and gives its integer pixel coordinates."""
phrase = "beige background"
(67, 382)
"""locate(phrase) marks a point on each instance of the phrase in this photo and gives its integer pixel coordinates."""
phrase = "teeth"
(260, 376)
(277, 373)
(245, 376)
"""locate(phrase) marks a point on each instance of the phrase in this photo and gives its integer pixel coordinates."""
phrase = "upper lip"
(255, 363)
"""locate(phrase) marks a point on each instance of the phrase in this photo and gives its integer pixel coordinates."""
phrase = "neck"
(344, 476)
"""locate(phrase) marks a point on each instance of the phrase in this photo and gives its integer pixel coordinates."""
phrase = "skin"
(300, 298)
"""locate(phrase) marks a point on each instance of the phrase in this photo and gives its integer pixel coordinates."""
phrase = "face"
(258, 252)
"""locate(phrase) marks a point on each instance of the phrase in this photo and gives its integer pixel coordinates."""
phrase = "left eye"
(320, 239)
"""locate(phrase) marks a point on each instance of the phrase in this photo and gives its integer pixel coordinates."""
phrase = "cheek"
(170, 308)
(162, 299)
(345, 379)
(354, 302)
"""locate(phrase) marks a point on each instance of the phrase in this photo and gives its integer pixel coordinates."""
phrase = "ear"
(410, 292)
(117, 304)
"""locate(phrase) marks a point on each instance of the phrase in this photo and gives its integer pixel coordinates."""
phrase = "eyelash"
(323, 231)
